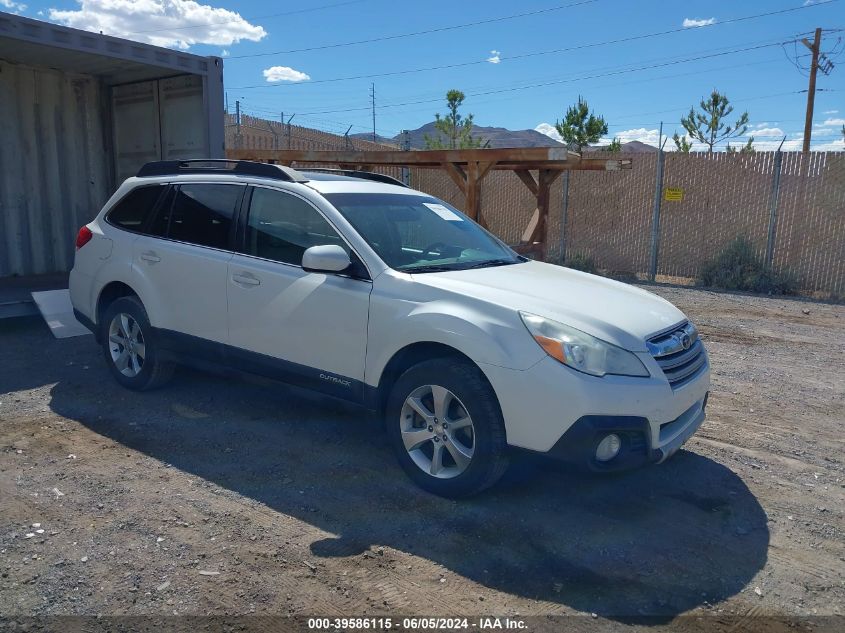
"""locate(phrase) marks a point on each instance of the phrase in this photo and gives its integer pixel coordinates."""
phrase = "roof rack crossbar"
(358, 173)
(220, 166)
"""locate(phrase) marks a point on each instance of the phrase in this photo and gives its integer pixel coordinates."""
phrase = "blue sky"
(634, 84)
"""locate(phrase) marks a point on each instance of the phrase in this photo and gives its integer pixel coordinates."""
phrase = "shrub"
(583, 262)
(738, 267)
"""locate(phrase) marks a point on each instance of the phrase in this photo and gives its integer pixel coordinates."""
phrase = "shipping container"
(79, 113)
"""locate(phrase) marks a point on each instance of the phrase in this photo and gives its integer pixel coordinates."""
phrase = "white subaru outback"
(359, 287)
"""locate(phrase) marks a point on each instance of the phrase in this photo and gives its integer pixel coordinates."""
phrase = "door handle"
(150, 257)
(244, 279)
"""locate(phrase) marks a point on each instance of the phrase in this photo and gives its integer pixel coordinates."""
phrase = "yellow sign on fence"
(673, 194)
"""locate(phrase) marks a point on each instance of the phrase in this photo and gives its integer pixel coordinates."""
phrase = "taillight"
(83, 237)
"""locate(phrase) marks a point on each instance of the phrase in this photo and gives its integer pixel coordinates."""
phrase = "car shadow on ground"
(658, 541)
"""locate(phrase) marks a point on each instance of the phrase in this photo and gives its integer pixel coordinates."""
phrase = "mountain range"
(497, 137)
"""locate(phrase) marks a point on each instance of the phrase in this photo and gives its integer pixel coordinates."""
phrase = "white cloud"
(549, 130)
(831, 111)
(690, 23)
(791, 145)
(224, 52)
(275, 74)
(829, 122)
(640, 134)
(14, 7)
(171, 23)
(495, 59)
(766, 131)
(834, 146)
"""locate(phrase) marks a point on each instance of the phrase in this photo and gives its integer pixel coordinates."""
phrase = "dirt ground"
(230, 496)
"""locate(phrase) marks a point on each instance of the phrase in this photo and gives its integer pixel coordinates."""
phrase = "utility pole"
(289, 129)
(406, 146)
(373, 96)
(238, 123)
(811, 92)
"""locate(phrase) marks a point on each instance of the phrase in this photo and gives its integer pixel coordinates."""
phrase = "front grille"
(679, 352)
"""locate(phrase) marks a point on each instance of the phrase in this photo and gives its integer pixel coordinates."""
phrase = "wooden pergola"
(467, 168)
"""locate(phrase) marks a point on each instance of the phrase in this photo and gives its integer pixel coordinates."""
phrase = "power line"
(661, 77)
(440, 29)
(569, 80)
(438, 95)
(199, 25)
(532, 54)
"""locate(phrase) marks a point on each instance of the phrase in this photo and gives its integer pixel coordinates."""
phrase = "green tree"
(709, 125)
(581, 127)
(748, 148)
(843, 131)
(682, 143)
(454, 131)
(615, 145)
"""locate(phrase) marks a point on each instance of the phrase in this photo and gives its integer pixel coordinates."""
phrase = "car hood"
(610, 310)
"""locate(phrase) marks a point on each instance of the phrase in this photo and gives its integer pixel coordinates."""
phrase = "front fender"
(486, 333)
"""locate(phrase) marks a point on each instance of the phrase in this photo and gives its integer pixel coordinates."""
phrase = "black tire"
(154, 372)
(489, 459)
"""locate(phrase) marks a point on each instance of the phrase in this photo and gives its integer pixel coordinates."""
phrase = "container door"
(162, 119)
(183, 122)
(137, 129)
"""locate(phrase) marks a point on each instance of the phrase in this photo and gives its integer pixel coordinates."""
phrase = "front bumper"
(578, 445)
(553, 409)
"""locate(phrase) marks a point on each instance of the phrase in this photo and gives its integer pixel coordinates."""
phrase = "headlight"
(581, 351)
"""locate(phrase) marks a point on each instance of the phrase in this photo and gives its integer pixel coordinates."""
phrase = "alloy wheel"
(126, 345)
(437, 431)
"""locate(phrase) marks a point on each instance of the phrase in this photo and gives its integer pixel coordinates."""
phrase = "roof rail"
(357, 173)
(220, 166)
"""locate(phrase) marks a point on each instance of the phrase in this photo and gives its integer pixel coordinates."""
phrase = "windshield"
(420, 233)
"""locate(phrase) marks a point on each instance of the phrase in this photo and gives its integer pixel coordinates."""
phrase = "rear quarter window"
(135, 207)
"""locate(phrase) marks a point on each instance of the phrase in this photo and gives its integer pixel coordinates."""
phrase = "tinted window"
(132, 211)
(201, 214)
(158, 225)
(282, 226)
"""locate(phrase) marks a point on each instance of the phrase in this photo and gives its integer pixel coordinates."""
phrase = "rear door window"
(200, 214)
(133, 210)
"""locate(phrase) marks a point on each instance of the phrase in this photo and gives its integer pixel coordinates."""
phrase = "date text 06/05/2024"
(414, 624)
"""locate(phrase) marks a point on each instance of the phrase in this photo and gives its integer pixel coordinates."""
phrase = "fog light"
(608, 448)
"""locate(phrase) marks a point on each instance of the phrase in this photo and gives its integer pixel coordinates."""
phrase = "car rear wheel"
(129, 346)
(446, 428)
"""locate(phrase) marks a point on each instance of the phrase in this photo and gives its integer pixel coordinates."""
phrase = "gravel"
(220, 495)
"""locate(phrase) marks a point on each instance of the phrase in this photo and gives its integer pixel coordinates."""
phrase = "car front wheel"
(446, 427)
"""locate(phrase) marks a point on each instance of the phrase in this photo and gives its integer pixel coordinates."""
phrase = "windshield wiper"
(490, 263)
(432, 268)
(439, 268)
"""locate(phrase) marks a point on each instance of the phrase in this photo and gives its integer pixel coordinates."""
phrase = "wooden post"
(469, 183)
(546, 178)
(456, 173)
(473, 195)
(536, 231)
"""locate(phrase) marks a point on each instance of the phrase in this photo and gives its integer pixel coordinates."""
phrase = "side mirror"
(329, 258)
